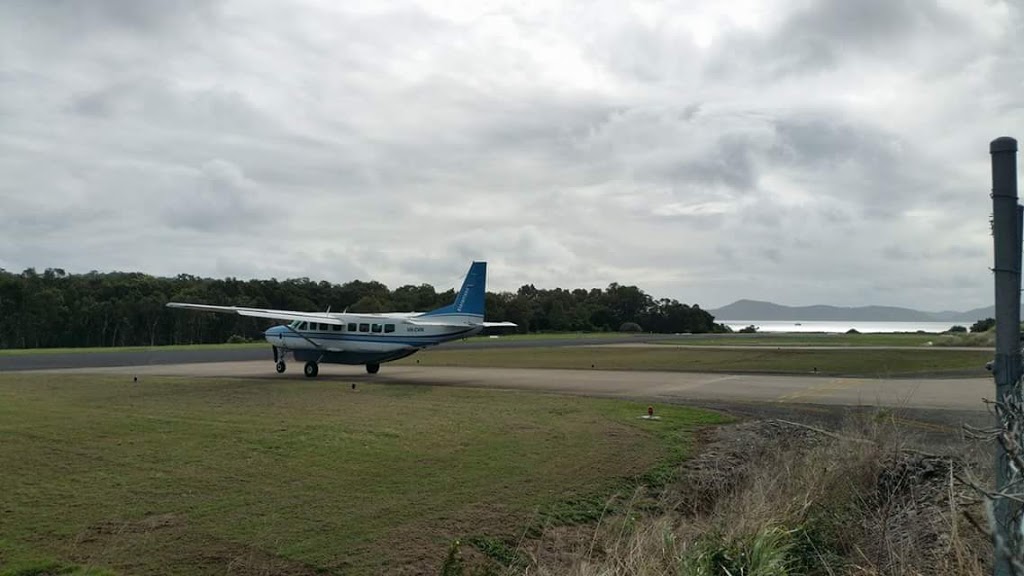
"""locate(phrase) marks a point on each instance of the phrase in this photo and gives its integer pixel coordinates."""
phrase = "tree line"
(57, 309)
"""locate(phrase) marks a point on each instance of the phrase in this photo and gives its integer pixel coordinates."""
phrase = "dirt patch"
(912, 511)
(424, 545)
(728, 456)
(165, 543)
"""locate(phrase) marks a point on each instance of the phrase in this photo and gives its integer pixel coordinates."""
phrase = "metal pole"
(1006, 368)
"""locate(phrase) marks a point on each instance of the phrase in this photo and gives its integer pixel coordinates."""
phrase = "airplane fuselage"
(362, 338)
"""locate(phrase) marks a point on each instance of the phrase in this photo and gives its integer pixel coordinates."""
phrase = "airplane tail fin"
(470, 299)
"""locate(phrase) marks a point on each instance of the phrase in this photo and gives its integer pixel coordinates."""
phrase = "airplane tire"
(280, 367)
(372, 368)
(311, 369)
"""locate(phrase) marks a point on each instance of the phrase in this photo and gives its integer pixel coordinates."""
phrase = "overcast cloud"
(802, 152)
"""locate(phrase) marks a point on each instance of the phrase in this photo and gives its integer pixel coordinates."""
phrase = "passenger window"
(352, 327)
(302, 326)
(377, 327)
(336, 327)
(389, 328)
(364, 327)
(324, 328)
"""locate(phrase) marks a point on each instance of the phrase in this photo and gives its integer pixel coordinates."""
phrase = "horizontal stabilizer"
(499, 324)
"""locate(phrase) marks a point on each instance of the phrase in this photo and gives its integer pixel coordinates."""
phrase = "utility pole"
(1006, 367)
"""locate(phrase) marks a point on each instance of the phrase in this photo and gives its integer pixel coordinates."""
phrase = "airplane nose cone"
(273, 332)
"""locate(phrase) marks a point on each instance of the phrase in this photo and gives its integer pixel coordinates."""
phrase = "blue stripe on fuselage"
(407, 340)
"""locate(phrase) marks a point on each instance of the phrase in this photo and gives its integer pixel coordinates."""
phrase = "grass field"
(555, 336)
(762, 339)
(796, 339)
(853, 362)
(19, 351)
(261, 477)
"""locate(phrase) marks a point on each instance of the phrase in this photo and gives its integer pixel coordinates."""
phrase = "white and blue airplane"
(370, 339)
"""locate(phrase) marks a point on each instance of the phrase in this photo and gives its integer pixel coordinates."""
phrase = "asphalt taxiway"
(922, 393)
(157, 355)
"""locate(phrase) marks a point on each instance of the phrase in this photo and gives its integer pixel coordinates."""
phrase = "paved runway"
(918, 393)
(157, 355)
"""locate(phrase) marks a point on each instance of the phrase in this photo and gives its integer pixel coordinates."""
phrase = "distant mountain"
(756, 310)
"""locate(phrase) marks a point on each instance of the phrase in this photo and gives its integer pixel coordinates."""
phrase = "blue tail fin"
(470, 299)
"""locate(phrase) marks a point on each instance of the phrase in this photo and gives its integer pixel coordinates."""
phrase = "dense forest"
(56, 309)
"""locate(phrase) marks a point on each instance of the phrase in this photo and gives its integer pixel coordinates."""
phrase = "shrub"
(748, 330)
(983, 325)
(453, 565)
(630, 327)
(236, 339)
(957, 328)
(772, 551)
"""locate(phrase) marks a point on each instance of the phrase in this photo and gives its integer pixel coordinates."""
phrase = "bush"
(453, 565)
(770, 551)
(236, 339)
(957, 328)
(852, 331)
(983, 325)
(630, 327)
(748, 330)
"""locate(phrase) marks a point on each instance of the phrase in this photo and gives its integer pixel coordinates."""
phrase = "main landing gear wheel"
(280, 367)
(372, 368)
(311, 369)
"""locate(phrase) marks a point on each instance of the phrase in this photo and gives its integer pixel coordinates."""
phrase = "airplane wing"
(260, 312)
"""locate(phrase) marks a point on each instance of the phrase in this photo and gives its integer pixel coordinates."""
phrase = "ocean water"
(840, 326)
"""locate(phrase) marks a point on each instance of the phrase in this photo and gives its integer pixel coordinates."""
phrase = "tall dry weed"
(857, 501)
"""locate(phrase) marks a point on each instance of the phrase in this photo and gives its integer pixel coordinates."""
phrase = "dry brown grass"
(775, 499)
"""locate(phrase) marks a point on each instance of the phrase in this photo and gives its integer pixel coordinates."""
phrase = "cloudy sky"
(798, 151)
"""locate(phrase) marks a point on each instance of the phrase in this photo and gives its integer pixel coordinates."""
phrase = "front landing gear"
(280, 357)
(372, 368)
(311, 369)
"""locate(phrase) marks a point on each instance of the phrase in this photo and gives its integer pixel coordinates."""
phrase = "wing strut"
(303, 336)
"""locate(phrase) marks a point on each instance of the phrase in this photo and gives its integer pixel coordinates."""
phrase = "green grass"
(261, 344)
(51, 567)
(775, 339)
(236, 476)
(852, 362)
(555, 336)
(22, 351)
(764, 339)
